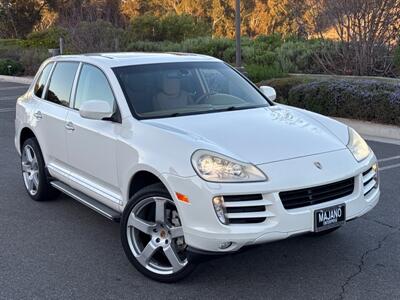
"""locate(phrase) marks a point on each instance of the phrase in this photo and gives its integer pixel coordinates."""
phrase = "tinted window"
(40, 83)
(61, 83)
(173, 89)
(92, 85)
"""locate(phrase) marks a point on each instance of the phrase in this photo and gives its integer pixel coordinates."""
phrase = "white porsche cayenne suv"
(188, 154)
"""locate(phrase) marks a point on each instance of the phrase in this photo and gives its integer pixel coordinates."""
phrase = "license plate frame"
(329, 217)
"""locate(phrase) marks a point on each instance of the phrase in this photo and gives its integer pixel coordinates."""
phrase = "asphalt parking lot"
(62, 249)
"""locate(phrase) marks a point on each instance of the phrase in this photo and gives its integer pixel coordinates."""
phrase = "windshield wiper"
(234, 107)
(185, 113)
(177, 114)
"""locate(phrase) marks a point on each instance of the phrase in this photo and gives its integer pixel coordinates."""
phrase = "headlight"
(216, 167)
(357, 145)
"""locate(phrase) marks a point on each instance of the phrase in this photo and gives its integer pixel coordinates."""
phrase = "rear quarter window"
(42, 79)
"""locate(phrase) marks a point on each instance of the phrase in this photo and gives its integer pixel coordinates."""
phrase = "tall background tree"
(365, 31)
(18, 17)
(368, 30)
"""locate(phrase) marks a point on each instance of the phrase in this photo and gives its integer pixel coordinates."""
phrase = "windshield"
(175, 89)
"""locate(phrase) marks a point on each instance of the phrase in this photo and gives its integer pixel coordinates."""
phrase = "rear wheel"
(34, 172)
(152, 235)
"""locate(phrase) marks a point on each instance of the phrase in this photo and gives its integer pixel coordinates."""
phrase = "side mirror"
(269, 92)
(95, 110)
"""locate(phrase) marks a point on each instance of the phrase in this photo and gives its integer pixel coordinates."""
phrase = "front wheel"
(152, 235)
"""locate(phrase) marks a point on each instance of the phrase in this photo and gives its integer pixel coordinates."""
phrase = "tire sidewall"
(155, 190)
(43, 191)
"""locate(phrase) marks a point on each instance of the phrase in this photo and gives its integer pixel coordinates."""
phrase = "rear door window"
(61, 82)
(41, 82)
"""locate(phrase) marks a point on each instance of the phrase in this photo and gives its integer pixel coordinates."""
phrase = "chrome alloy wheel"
(155, 236)
(30, 170)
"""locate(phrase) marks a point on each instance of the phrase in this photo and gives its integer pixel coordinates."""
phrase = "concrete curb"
(374, 131)
(15, 79)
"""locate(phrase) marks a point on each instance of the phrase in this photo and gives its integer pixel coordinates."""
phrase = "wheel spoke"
(140, 224)
(160, 210)
(30, 184)
(173, 259)
(25, 167)
(35, 180)
(147, 253)
(176, 232)
(29, 155)
(35, 165)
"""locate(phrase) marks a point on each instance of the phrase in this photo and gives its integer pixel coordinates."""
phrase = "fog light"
(225, 245)
(219, 208)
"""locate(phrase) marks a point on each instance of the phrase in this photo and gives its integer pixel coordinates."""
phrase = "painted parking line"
(3, 110)
(13, 88)
(8, 98)
(389, 167)
(389, 158)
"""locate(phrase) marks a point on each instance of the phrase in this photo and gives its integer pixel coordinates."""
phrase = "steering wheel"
(203, 97)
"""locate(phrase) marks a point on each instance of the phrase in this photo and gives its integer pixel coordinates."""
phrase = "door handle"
(69, 126)
(38, 115)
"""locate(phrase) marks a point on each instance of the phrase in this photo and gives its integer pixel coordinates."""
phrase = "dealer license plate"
(329, 217)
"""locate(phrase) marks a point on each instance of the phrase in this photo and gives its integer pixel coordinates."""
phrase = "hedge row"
(368, 100)
(10, 67)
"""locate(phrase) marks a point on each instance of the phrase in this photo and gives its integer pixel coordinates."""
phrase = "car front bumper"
(203, 230)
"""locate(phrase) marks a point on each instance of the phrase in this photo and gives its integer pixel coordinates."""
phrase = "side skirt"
(87, 201)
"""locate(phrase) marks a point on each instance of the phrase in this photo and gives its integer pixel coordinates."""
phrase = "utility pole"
(61, 45)
(237, 29)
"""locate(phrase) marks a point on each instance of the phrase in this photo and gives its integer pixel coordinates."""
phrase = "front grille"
(317, 194)
(246, 209)
(369, 180)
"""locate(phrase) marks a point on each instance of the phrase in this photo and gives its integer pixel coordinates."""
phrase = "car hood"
(259, 136)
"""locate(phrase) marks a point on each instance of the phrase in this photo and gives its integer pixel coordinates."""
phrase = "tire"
(34, 172)
(325, 232)
(152, 236)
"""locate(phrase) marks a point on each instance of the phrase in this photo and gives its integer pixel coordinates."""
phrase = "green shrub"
(146, 46)
(171, 27)
(9, 42)
(99, 36)
(177, 28)
(299, 56)
(284, 85)
(10, 67)
(32, 58)
(220, 48)
(143, 28)
(10, 49)
(269, 42)
(397, 59)
(47, 39)
(256, 73)
(368, 100)
(209, 46)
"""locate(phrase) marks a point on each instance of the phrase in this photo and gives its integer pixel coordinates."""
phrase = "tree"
(367, 30)
(133, 8)
(18, 17)
(223, 18)
(72, 12)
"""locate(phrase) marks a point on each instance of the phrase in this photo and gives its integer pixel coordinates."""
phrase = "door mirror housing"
(95, 110)
(269, 92)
